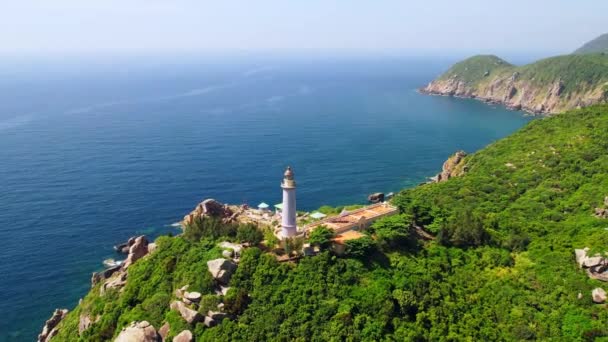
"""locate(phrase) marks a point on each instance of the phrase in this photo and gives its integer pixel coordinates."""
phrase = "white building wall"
(288, 215)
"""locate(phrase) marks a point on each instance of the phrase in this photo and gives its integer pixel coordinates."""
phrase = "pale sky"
(73, 27)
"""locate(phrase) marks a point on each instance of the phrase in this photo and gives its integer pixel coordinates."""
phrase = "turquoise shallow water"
(92, 155)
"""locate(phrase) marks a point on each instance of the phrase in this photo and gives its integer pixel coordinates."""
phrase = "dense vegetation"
(576, 72)
(597, 45)
(501, 266)
(477, 68)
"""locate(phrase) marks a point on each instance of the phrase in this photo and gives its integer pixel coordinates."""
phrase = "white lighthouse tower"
(288, 213)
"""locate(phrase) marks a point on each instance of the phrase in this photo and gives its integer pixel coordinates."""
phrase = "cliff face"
(545, 87)
(518, 94)
(453, 167)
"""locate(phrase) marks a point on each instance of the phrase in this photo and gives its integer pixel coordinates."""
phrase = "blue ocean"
(93, 153)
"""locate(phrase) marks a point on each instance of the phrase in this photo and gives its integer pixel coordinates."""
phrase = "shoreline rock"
(49, 330)
(211, 208)
(514, 93)
(452, 167)
(376, 197)
(97, 277)
(138, 250)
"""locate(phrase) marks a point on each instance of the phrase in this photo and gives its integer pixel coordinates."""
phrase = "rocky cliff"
(548, 86)
(454, 166)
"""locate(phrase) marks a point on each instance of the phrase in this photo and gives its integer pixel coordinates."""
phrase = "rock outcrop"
(85, 321)
(234, 248)
(163, 332)
(596, 265)
(116, 277)
(221, 269)
(116, 282)
(453, 167)
(184, 336)
(98, 277)
(50, 326)
(519, 88)
(152, 247)
(138, 250)
(189, 315)
(179, 293)
(217, 316)
(192, 297)
(138, 332)
(376, 197)
(209, 322)
(598, 295)
(124, 247)
(211, 208)
(602, 212)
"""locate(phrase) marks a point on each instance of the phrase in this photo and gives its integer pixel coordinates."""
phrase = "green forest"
(576, 72)
(501, 266)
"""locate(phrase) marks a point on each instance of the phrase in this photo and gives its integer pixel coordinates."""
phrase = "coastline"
(527, 110)
(143, 198)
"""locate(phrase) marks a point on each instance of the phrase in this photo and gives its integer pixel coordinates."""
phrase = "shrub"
(321, 236)
(249, 233)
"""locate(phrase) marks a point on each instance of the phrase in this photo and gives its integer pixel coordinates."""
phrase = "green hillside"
(576, 72)
(548, 86)
(597, 45)
(477, 68)
(501, 266)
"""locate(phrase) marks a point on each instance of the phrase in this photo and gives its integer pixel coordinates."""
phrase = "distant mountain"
(548, 86)
(597, 45)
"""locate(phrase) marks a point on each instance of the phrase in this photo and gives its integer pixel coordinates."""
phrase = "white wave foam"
(91, 108)
(258, 70)
(304, 90)
(15, 121)
(275, 99)
(189, 93)
(200, 91)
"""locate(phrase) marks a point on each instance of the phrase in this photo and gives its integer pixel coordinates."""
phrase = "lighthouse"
(288, 215)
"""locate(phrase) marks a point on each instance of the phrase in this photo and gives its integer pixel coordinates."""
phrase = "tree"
(271, 240)
(208, 227)
(236, 301)
(465, 230)
(360, 247)
(321, 236)
(293, 245)
(249, 233)
(392, 231)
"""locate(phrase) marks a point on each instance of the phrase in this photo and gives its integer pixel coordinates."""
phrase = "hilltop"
(548, 86)
(597, 45)
(501, 266)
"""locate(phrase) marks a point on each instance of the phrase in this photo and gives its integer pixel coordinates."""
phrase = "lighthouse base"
(288, 232)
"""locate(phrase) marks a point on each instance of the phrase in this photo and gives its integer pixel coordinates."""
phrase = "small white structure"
(278, 208)
(288, 212)
(263, 206)
(317, 215)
